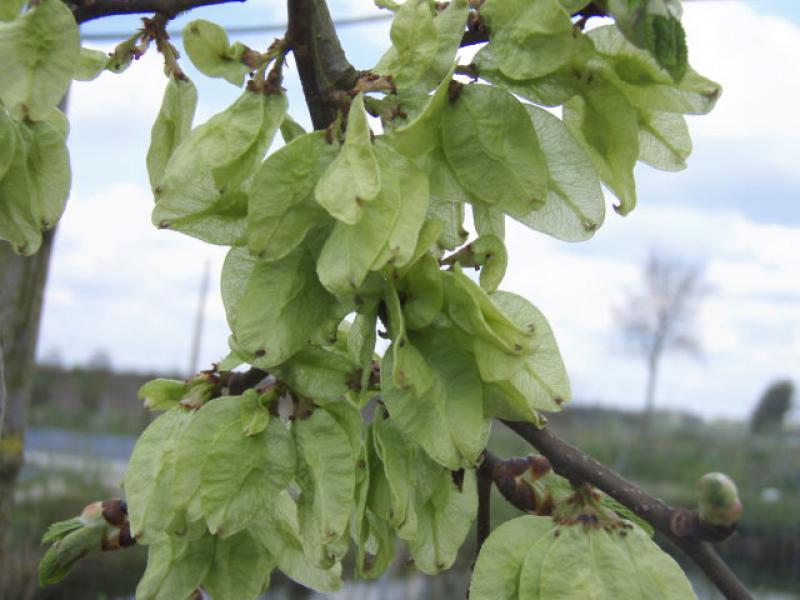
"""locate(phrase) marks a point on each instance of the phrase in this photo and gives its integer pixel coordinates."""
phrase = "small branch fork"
(681, 526)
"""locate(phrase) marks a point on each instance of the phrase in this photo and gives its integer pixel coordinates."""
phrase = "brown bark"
(679, 525)
(321, 62)
(22, 281)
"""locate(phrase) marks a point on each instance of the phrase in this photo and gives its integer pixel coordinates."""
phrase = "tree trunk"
(650, 394)
(22, 281)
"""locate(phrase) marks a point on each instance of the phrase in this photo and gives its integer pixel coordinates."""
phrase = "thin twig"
(484, 525)
(88, 10)
(679, 525)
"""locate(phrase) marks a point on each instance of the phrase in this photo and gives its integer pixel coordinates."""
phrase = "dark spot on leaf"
(517, 348)
(458, 479)
(260, 352)
(163, 225)
(590, 226)
(454, 91)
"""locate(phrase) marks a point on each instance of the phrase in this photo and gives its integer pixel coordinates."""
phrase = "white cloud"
(754, 57)
(748, 326)
(132, 95)
(116, 282)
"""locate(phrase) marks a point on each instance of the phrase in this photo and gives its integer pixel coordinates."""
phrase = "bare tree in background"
(770, 413)
(658, 317)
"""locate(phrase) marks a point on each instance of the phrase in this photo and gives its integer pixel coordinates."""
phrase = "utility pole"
(199, 321)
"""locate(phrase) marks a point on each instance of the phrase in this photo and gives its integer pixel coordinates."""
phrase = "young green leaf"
(606, 563)
(9, 9)
(162, 394)
(444, 520)
(372, 530)
(575, 207)
(200, 192)
(281, 307)
(536, 381)
(319, 373)
(74, 544)
(35, 179)
(325, 475)
(40, 51)
(664, 141)
(489, 220)
(148, 479)
(415, 43)
(282, 209)
(419, 405)
(573, 6)
(387, 231)
(552, 89)
(254, 411)
(8, 141)
(606, 125)
(487, 252)
(90, 64)
(238, 569)
(172, 125)
(426, 244)
(646, 85)
(361, 343)
(397, 454)
(457, 374)
(47, 169)
(191, 451)
(475, 314)
(492, 148)
(210, 51)
(497, 570)
(278, 531)
(450, 22)
(353, 178)
(655, 27)
(291, 129)
(419, 133)
(528, 39)
(447, 199)
(243, 474)
(176, 567)
(423, 293)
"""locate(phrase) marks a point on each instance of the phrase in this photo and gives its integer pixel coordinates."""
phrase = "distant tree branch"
(89, 10)
(681, 526)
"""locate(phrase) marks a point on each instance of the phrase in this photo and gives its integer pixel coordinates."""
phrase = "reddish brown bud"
(114, 512)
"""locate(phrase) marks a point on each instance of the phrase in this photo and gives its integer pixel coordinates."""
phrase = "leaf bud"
(718, 500)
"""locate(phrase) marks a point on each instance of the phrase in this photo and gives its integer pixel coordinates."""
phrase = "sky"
(119, 285)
